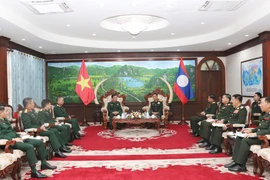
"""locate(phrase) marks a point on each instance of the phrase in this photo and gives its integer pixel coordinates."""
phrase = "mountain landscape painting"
(135, 79)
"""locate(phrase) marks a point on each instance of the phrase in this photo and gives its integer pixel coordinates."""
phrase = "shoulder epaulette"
(213, 102)
(25, 110)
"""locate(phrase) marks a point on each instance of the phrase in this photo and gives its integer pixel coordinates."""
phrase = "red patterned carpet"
(141, 154)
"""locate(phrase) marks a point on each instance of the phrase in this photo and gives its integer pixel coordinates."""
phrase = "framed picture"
(251, 77)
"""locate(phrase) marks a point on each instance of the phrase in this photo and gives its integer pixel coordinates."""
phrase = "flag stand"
(85, 123)
(183, 121)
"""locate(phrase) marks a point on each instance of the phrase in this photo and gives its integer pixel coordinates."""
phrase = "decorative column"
(4, 42)
(265, 40)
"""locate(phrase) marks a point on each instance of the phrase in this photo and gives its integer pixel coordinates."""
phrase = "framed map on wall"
(252, 77)
(132, 78)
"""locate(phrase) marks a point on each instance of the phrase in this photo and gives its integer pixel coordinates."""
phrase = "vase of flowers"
(135, 115)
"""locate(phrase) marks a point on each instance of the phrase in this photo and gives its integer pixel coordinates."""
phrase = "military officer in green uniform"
(206, 126)
(45, 116)
(255, 108)
(59, 111)
(238, 116)
(156, 106)
(30, 120)
(27, 146)
(114, 109)
(210, 109)
(242, 146)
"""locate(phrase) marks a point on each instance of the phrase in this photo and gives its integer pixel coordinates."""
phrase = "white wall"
(233, 68)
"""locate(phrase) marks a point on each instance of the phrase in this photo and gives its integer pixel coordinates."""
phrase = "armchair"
(162, 97)
(105, 99)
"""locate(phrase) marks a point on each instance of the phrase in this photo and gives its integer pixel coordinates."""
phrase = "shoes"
(64, 149)
(196, 135)
(37, 175)
(77, 137)
(216, 150)
(69, 144)
(81, 135)
(238, 168)
(60, 154)
(205, 144)
(231, 164)
(47, 166)
(212, 147)
(201, 141)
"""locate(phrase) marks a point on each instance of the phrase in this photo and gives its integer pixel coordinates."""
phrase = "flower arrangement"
(135, 115)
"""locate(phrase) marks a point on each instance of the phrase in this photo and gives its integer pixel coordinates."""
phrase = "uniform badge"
(236, 111)
(266, 118)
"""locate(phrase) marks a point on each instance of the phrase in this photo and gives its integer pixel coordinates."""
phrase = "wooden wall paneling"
(3, 69)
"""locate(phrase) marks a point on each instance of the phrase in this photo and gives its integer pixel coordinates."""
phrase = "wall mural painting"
(132, 78)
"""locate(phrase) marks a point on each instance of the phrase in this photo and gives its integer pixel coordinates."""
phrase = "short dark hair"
(228, 96)
(267, 99)
(258, 94)
(238, 97)
(155, 94)
(212, 96)
(58, 97)
(2, 108)
(27, 101)
(44, 102)
(115, 94)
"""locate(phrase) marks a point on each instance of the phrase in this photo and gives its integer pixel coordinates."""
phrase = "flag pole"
(85, 123)
(183, 121)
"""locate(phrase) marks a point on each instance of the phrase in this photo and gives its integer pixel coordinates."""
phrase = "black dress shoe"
(216, 150)
(60, 154)
(64, 149)
(201, 141)
(69, 144)
(238, 168)
(196, 135)
(231, 164)
(205, 144)
(210, 147)
(77, 137)
(37, 175)
(47, 166)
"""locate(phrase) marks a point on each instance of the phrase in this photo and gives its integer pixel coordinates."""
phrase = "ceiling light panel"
(222, 5)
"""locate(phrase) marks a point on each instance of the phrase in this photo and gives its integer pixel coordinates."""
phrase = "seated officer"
(114, 109)
(59, 111)
(26, 146)
(210, 109)
(45, 116)
(255, 108)
(242, 146)
(156, 106)
(206, 126)
(30, 120)
(238, 116)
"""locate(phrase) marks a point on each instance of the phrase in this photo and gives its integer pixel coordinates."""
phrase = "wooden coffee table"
(136, 121)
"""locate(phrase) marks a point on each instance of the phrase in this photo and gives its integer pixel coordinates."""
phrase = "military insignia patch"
(235, 111)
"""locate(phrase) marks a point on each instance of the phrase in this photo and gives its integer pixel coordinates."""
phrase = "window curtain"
(26, 78)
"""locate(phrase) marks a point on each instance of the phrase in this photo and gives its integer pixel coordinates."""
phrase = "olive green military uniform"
(30, 120)
(238, 116)
(210, 109)
(255, 108)
(46, 117)
(156, 106)
(242, 146)
(224, 113)
(60, 111)
(6, 132)
(114, 106)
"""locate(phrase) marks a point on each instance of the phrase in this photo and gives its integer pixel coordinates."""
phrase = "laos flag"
(182, 86)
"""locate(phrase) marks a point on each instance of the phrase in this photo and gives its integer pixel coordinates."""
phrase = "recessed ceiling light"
(118, 51)
(152, 50)
(172, 34)
(68, 25)
(178, 49)
(133, 36)
(246, 35)
(101, 5)
(202, 23)
(229, 43)
(23, 39)
(86, 51)
(40, 47)
(94, 34)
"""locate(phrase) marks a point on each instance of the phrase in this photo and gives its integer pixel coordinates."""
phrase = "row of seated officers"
(231, 113)
(59, 134)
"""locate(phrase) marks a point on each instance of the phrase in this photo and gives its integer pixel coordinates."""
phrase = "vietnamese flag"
(84, 87)
(182, 86)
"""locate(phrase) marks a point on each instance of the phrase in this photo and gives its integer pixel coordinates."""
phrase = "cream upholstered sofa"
(164, 99)
(105, 99)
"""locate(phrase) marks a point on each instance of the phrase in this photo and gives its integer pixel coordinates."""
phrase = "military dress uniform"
(210, 109)
(224, 113)
(46, 117)
(156, 106)
(242, 145)
(111, 107)
(238, 116)
(30, 120)
(6, 132)
(255, 108)
(60, 111)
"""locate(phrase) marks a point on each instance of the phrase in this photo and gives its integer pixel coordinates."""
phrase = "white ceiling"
(50, 31)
